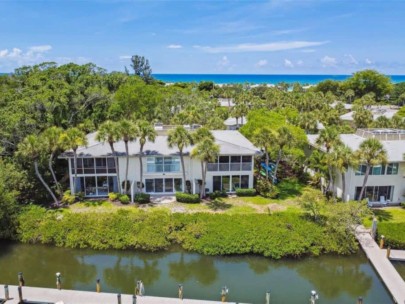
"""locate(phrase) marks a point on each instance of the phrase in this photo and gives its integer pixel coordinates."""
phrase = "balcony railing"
(229, 167)
(159, 168)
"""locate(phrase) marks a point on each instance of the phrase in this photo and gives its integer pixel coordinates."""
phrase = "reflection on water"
(336, 279)
(400, 267)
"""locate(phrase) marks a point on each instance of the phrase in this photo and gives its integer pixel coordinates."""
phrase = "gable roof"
(230, 143)
(395, 148)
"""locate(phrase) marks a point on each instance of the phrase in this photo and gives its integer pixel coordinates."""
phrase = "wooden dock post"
(224, 294)
(388, 252)
(98, 287)
(119, 298)
(180, 291)
(21, 281)
(58, 281)
(133, 299)
(268, 297)
(6, 293)
(382, 242)
(359, 300)
(20, 296)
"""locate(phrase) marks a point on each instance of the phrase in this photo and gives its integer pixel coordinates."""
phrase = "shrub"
(142, 198)
(68, 198)
(124, 199)
(187, 198)
(266, 189)
(217, 194)
(80, 196)
(113, 196)
(246, 192)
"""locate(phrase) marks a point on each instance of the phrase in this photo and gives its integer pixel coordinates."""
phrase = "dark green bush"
(142, 198)
(187, 198)
(266, 189)
(124, 199)
(217, 194)
(246, 192)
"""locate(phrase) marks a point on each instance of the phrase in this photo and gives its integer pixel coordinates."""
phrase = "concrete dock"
(378, 258)
(48, 295)
(396, 255)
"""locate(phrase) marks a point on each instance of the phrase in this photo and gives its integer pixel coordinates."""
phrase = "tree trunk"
(202, 190)
(116, 167)
(54, 175)
(45, 184)
(184, 171)
(141, 168)
(126, 167)
(363, 188)
(280, 154)
(75, 164)
(330, 178)
(343, 187)
(237, 122)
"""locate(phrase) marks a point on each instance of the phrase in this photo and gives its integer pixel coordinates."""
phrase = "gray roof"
(230, 143)
(395, 148)
(231, 121)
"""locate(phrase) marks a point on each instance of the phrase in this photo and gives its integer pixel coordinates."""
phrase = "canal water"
(336, 279)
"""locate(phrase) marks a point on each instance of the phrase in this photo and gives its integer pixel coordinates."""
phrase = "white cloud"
(40, 48)
(288, 31)
(174, 46)
(288, 63)
(224, 62)
(15, 53)
(124, 57)
(368, 61)
(261, 63)
(3, 53)
(300, 62)
(351, 60)
(260, 47)
(328, 61)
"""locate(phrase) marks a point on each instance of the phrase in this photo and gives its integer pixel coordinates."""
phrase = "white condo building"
(386, 183)
(162, 173)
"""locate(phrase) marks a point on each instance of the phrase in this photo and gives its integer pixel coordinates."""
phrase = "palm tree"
(32, 147)
(342, 158)
(127, 130)
(370, 153)
(362, 118)
(261, 138)
(349, 94)
(206, 151)
(51, 137)
(144, 132)
(283, 138)
(329, 138)
(180, 138)
(73, 138)
(109, 132)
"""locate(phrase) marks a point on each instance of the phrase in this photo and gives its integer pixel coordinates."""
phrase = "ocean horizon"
(303, 79)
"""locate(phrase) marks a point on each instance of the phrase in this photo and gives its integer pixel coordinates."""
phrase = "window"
(376, 193)
(361, 170)
(375, 170)
(101, 165)
(111, 165)
(79, 165)
(392, 169)
(90, 186)
(230, 183)
(231, 163)
(162, 164)
(166, 185)
(88, 165)
(102, 186)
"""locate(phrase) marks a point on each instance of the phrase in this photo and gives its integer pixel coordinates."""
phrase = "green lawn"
(391, 214)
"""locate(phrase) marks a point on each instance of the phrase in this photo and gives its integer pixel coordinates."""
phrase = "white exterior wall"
(353, 181)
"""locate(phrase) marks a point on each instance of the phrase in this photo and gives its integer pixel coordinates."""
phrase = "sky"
(208, 36)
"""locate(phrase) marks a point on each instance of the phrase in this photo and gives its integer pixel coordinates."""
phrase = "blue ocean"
(257, 79)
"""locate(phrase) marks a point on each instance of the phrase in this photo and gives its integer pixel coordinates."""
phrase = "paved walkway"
(84, 297)
(389, 275)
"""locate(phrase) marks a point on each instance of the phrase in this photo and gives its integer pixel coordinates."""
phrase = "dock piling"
(58, 281)
(224, 294)
(133, 299)
(180, 291)
(21, 281)
(20, 295)
(382, 242)
(6, 293)
(388, 252)
(98, 287)
(360, 300)
(119, 298)
(268, 297)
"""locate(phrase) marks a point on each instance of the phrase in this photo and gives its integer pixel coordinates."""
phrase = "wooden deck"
(48, 295)
(396, 255)
(378, 258)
